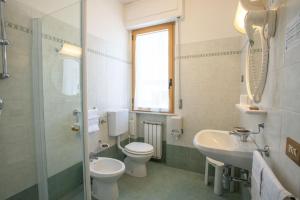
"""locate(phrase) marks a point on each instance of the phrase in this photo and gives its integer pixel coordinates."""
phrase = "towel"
(256, 179)
(264, 184)
(93, 120)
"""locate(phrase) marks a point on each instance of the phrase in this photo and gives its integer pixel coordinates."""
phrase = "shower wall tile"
(281, 99)
(209, 72)
(290, 84)
(17, 152)
(16, 131)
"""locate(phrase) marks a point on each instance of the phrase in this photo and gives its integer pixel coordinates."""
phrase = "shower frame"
(38, 108)
(3, 42)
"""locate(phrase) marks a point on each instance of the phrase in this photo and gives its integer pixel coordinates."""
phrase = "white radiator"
(153, 136)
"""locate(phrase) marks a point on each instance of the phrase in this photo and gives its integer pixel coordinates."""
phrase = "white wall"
(208, 20)
(281, 100)
(109, 69)
(207, 28)
(202, 20)
(105, 20)
(151, 12)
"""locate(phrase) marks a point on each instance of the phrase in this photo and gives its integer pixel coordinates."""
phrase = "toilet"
(137, 153)
(105, 173)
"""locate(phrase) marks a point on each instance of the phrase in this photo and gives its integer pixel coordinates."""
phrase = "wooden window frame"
(170, 28)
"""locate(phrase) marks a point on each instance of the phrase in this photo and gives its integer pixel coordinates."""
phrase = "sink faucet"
(244, 133)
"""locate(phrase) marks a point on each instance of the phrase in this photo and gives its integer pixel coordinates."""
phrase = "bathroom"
(81, 119)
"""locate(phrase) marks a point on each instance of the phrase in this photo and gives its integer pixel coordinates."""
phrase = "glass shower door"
(41, 134)
(62, 100)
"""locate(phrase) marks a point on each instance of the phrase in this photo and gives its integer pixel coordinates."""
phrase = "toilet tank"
(117, 122)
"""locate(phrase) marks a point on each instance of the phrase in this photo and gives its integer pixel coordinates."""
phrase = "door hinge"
(170, 83)
(180, 104)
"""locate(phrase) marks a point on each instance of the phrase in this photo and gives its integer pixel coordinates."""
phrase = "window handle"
(170, 83)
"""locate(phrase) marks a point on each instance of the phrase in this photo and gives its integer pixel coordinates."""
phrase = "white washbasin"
(222, 146)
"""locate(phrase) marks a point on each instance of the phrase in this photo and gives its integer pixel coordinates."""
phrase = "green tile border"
(211, 54)
(66, 181)
(58, 185)
(186, 158)
(61, 41)
(30, 193)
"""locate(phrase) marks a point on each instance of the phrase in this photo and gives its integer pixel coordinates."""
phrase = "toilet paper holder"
(175, 126)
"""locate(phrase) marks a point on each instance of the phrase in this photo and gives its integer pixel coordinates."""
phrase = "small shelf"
(245, 109)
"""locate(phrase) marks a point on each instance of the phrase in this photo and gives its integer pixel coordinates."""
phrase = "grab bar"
(3, 42)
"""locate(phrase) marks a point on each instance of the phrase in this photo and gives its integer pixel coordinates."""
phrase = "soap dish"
(246, 109)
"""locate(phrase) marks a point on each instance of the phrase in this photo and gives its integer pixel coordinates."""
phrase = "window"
(153, 54)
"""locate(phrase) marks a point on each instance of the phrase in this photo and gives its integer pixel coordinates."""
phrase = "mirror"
(65, 76)
(257, 65)
(71, 77)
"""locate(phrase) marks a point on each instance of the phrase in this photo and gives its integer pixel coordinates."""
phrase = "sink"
(222, 146)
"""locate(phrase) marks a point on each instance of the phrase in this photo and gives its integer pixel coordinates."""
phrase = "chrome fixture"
(265, 151)
(101, 147)
(76, 119)
(244, 133)
(1, 105)
(3, 42)
(93, 156)
(228, 179)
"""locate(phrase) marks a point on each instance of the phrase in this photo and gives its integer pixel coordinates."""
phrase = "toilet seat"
(139, 148)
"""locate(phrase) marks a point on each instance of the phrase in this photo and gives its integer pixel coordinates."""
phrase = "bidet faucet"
(244, 133)
(92, 156)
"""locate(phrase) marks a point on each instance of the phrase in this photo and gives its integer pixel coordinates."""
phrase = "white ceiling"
(46, 6)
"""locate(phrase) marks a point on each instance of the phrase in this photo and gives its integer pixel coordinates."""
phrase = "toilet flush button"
(293, 150)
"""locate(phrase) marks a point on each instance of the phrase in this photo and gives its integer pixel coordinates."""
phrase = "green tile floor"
(164, 183)
(167, 183)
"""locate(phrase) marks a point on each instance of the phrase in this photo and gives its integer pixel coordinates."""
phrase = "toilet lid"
(139, 148)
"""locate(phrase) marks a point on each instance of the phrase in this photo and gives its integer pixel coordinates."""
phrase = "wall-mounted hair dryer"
(255, 19)
(265, 19)
(252, 15)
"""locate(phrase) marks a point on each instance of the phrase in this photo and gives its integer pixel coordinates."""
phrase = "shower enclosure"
(41, 121)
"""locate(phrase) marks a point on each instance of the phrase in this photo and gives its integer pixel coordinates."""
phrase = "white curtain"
(152, 71)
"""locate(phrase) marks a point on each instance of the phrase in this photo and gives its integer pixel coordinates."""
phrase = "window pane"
(152, 71)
